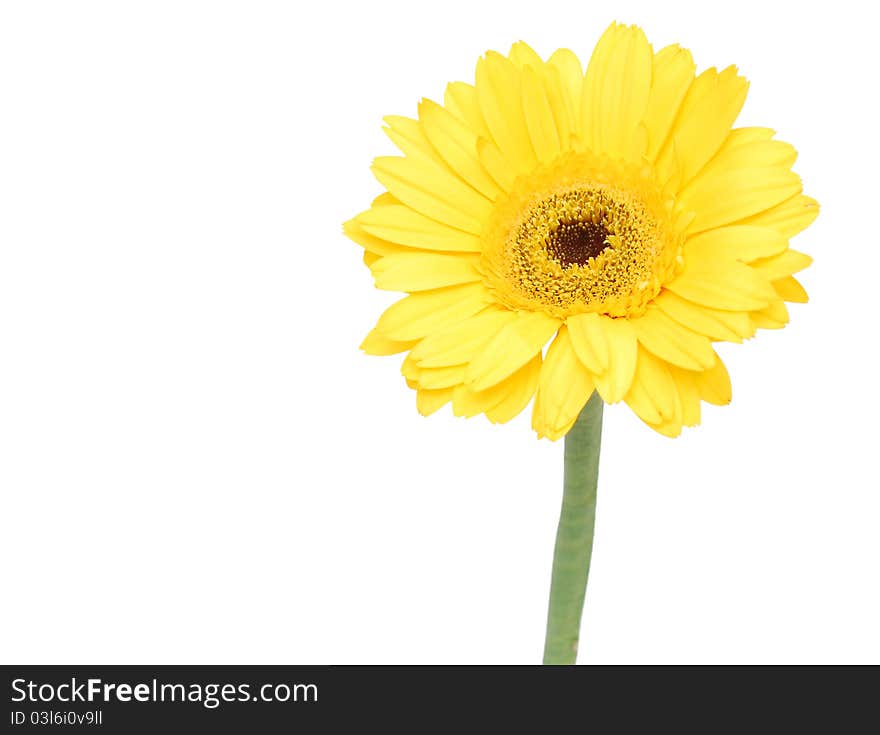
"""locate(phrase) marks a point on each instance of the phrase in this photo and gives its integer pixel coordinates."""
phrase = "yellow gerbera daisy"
(615, 214)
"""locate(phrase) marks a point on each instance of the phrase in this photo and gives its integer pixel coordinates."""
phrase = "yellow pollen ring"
(584, 234)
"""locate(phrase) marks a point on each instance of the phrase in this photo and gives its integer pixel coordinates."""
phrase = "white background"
(198, 465)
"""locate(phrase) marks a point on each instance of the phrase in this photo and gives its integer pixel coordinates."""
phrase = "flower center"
(574, 243)
(584, 234)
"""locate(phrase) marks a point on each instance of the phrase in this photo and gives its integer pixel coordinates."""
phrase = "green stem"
(574, 538)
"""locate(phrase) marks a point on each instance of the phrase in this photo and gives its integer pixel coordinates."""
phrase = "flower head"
(614, 213)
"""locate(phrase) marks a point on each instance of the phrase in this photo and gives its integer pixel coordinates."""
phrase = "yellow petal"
(789, 217)
(369, 241)
(782, 265)
(774, 316)
(422, 313)
(561, 106)
(652, 395)
(672, 75)
(742, 136)
(467, 403)
(461, 342)
(539, 117)
(615, 93)
(588, 341)
(496, 164)
(707, 113)
(523, 55)
(714, 384)
(433, 190)
(499, 95)
(399, 224)
(717, 324)
(668, 428)
(424, 271)
(642, 405)
(622, 344)
(510, 349)
(670, 341)
(722, 285)
(736, 242)
(502, 401)
(410, 138)
(734, 194)
(461, 100)
(442, 377)
(564, 387)
(570, 73)
(429, 401)
(790, 289)
(688, 394)
(456, 143)
(752, 154)
(410, 371)
(375, 344)
(384, 199)
(518, 391)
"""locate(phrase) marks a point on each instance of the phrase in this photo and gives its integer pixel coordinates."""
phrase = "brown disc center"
(574, 243)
